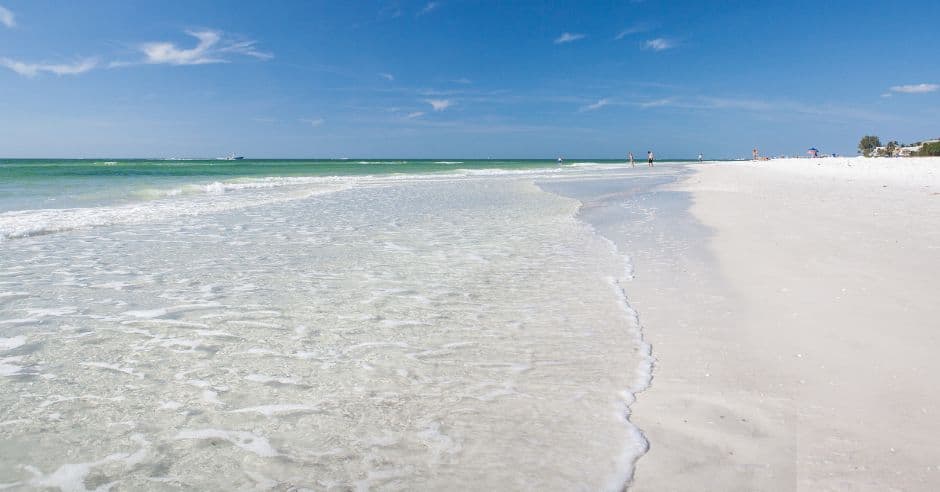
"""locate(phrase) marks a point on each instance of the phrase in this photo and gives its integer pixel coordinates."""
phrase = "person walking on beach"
(632, 164)
(755, 153)
(649, 157)
(700, 157)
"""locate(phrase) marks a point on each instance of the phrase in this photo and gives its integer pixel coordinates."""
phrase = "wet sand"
(791, 307)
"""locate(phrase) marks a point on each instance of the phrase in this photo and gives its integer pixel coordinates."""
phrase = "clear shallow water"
(40, 196)
(333, 332)
(49, 183)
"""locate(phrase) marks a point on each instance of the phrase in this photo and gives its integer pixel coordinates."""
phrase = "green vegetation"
(930, 149)
(867, 145)
(870, 146)
(891, 147)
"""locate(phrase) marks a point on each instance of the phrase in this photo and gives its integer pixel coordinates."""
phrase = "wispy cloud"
(598, 105)
(657, 103)
(390, 10)
(387, 76)
(915, 88)
(567, 37)
(33, 69)
(430, 7)
(462, 80)
(211, 48)
(659, 44)
(416, 114)
(634, 29)
(313, 121)
(780, 107)
(440, 104)
(7, 18)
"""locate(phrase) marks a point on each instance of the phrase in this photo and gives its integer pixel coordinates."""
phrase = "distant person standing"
(630, 156)
(649, 157)
(700, 156)
(755, 153)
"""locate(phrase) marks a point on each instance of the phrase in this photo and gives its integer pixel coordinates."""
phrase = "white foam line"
(272, 410)
(261, 378)
(166, 322)
(643, 373)
(71, 476)
(643, 378)
(26, 223)
(376, 345)
(160, 312)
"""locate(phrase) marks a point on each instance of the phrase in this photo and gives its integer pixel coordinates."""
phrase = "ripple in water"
(417, 334)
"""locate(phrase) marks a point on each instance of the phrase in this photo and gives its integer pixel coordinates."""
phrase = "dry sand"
(798, 347)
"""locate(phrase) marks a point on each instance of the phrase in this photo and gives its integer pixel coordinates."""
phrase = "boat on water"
(231, 157)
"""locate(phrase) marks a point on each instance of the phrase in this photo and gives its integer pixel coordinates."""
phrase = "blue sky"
(456, 78)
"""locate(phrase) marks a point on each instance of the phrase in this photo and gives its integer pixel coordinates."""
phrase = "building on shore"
(901, 151)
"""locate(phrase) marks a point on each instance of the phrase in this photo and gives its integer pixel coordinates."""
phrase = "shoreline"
(599, 209)
(786, 302)
(787, 305)
(414, 335)
(806, 310)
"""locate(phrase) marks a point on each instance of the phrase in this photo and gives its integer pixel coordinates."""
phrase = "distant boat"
(231, 157)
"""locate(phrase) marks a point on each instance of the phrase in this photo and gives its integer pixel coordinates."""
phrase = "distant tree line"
(868, 144)
(871, 145)
(932, 148)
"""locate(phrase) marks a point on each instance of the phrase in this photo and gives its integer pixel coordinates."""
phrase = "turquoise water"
(325, 325)
(40, 196)
(47, 168)
(27, 184)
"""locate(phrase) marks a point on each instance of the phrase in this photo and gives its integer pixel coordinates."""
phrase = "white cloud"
(659, 44)
(440, 104)
(567, 37)
(6, 17)
(211, 48)
(387, 76)
(313, 121)
(246, 48)
(416, 114)
(463, 80)
(598, 105)
(429, 8)
(33, 69)
(634, 29)
(915, 88)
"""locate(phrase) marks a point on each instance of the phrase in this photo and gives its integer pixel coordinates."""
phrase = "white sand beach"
(475, 328)
(434, 245)
(797, 345)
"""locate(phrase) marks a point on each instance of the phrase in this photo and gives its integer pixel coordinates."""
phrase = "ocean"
(329, 325)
